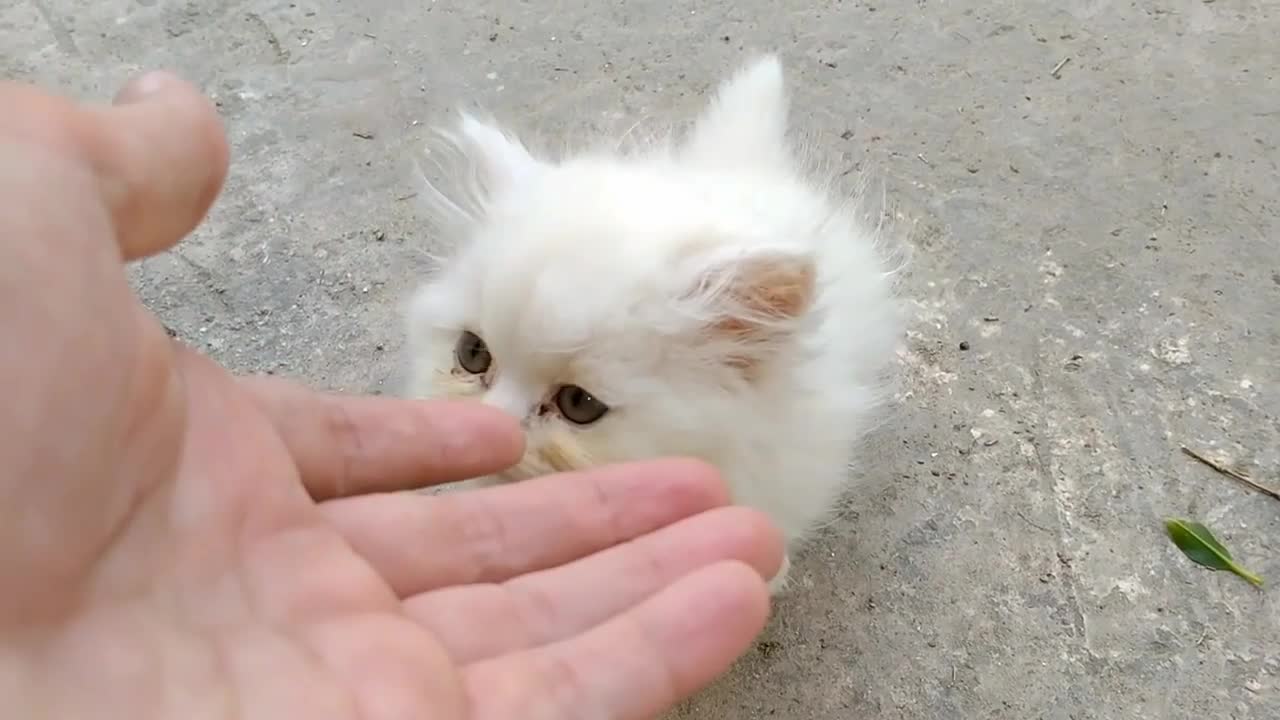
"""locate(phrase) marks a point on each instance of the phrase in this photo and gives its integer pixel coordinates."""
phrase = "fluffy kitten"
(695, 298)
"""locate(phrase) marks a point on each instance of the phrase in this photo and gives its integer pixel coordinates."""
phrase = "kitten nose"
(509, 398)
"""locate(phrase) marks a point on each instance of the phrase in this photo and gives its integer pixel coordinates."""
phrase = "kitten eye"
(579, 406)
(473, 355)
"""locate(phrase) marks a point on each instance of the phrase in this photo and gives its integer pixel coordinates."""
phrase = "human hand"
(176, 542)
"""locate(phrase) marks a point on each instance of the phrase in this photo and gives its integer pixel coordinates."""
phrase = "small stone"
(964, 345)
(768, 647)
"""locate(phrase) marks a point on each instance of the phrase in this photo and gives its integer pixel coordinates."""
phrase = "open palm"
(176, 542)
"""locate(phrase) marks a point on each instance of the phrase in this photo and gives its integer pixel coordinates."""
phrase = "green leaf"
(1197, 543)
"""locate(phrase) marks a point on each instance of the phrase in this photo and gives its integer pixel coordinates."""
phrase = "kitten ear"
(754, 302)
(745, 125)
(502, 160)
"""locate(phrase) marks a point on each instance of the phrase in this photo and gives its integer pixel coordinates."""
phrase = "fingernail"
(143, 86)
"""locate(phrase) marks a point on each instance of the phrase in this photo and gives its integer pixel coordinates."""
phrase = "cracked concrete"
(1102, 242)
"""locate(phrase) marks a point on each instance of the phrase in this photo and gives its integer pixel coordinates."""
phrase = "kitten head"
(626, 306)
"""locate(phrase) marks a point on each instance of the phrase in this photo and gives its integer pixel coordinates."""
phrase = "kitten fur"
(721, 305)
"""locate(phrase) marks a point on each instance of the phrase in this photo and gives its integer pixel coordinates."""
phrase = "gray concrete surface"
(1103, 243)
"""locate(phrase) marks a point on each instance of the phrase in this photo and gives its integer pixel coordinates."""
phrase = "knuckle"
(536, 611)
(602, 504)
(345, 444)
(486, 538)
(564, 683)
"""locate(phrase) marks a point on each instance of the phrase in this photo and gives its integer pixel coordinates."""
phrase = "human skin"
(177, 542)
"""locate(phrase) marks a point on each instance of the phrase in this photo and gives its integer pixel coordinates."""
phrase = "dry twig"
(1237, 475)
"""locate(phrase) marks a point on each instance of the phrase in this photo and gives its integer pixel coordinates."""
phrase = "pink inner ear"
(779, 287)
(764, 290)
(768, 288)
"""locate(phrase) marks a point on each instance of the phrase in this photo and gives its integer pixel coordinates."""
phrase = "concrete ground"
(1096, 282)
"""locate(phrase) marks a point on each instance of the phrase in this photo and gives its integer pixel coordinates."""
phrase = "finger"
(544, 607)
(162, 155)
(422, 542)
(636, 665)
(347, 445)
(159, 155)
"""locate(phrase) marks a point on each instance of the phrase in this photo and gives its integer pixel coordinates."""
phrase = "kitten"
(695, 298)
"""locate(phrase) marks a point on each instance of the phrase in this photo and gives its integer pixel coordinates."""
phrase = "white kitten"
(696, 298)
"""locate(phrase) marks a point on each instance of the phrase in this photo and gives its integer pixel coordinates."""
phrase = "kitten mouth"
(514, 475)
(559, 455)
(529, 468)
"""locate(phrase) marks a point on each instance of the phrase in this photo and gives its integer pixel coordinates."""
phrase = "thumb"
(159, 154)
(161, 157)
